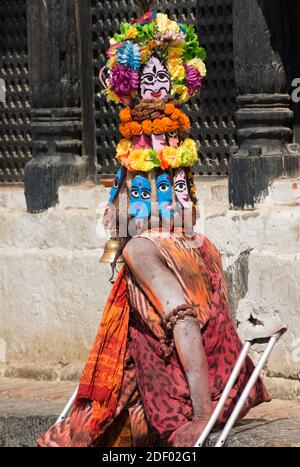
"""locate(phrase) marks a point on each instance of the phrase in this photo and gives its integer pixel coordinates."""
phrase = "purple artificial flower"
(193, 78)
(123, 80)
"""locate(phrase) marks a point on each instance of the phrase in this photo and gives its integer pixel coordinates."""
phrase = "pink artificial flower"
(193, 78)
(143, 19)
(123, 80)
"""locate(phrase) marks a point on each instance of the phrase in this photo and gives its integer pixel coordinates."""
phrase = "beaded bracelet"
(169, 321)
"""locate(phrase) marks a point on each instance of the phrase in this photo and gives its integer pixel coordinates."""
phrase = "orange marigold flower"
(185, 123)
(169, 109)
(166, 124)
(147, 127)
(176, 114)
(125, 130)
(173, 126)
(135, 128)
(125, 115)
(157, 127)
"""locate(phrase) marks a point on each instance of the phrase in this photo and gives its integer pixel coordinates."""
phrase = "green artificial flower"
(123, 28)
(146, 32)
(192, 47)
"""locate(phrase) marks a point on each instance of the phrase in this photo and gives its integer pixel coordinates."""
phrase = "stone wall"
(53, 289)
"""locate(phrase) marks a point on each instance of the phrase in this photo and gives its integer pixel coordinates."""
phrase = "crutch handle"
(266, 334)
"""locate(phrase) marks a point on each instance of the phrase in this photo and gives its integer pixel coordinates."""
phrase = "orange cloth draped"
(101, 379)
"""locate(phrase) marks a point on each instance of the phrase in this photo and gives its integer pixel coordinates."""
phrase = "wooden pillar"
(264, 117)
(54, 71)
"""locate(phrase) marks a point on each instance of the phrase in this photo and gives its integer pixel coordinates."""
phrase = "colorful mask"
(140, 203)
(164, 195)
(116, 185)
(181, 189)
(155, 80)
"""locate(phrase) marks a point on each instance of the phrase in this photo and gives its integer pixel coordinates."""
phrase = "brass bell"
(110, 250)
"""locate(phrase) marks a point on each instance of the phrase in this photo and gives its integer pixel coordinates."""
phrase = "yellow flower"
(175, 50)
(164, 24)
(187, 152)
(140, 159)
(131, 33)
(123, 148)
(199, 64)
(176, 69)
(112, 61)
(182, 90)
(170, 156)
(112, 96)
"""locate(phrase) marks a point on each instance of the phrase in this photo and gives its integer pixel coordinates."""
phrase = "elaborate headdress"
(178, 46)
(155, 65)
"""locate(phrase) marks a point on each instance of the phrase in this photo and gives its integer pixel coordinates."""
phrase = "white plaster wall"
(53, 289)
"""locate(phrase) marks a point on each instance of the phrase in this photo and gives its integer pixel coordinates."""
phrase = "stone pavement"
(28, 407)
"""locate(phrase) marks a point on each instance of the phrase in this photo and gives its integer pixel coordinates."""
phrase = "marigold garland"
(175, 120)
(185, 155)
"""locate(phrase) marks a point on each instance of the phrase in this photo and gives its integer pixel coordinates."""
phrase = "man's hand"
(187, 435)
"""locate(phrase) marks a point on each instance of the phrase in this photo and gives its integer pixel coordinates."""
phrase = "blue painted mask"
(164, 195)
(116, 185)
(140, 197)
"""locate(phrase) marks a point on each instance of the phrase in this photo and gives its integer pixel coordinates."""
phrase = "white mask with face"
(155, 80)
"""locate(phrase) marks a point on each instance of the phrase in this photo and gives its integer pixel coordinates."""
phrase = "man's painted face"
(164, 195)
(155, 80)
(140, 203)
(116, 185)
(181, 189)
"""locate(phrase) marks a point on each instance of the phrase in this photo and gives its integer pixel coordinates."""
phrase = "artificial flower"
(123, 148)
(130, 55)
(175, 50)
(176, 69)
(149, 16)
(131, 33)
(187, 152)
(192, 48)
(146, 159)
(193, 78)
(112, 61)
(182, 91)
(145, 32)
(143, 159)
(112, 96)
(147, 50)
(166, 26)
(199, 64)
(169, 155)
(123, 80)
